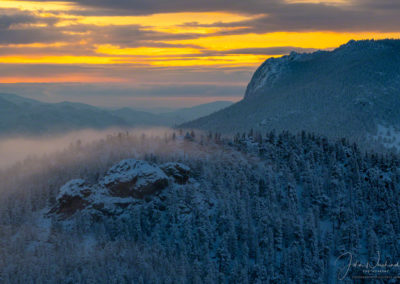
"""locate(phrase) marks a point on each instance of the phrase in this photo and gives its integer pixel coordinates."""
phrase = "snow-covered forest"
(259, 208)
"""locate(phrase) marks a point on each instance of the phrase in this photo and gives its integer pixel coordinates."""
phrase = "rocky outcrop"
(178, 171)
(134, 178)
(73, 196)
(123, 184)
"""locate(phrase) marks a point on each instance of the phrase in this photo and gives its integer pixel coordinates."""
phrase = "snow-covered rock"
(134, 178)
(178, 171)
(75, 187)
(267, 74)
(73, 196)
(122, 186)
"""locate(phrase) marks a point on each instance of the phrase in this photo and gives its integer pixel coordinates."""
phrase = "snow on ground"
(388, 136)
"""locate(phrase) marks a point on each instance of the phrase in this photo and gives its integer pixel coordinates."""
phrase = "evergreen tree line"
(260, 208)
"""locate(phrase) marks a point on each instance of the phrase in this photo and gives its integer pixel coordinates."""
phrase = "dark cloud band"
(355, 15)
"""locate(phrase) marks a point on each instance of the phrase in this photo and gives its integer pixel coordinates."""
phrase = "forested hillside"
(351, 91)
(257, 208)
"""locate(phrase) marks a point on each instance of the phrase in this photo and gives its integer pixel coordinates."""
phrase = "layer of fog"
(14, 150)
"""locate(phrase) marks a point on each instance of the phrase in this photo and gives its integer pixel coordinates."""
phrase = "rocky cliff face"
(367, 62)
(123, 184)
(270, 72)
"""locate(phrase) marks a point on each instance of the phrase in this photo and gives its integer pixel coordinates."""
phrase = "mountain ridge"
(346, 92)
(25, 116)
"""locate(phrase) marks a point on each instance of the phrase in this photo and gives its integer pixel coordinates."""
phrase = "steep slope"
(349, 92)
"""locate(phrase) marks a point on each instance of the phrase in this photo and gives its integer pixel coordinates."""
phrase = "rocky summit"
(123, 184)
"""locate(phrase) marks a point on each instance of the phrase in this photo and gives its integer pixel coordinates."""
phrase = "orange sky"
(89, 43)
(209, 34)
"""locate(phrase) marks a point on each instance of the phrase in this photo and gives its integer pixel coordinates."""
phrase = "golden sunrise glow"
(37, 5)
(318, 40)
(166, 40)
(145, 51)
(222, 61)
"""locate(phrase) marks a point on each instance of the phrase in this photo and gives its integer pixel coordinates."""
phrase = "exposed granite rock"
(178, 171)
(73, 196)
(134, 178)
(122, 186)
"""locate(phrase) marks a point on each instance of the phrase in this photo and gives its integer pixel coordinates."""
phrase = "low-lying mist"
(40, 166)
(16, 149)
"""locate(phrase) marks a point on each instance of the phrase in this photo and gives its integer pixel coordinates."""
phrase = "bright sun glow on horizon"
(65, 33)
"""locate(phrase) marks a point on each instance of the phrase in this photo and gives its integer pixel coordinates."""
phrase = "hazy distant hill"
(24, 116)
(352, 91)
(170, 118)
(19, 115)
(186, 114)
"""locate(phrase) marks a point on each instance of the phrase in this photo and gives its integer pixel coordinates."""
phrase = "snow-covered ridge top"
(364, 44)
(267, 75)
(272, 69)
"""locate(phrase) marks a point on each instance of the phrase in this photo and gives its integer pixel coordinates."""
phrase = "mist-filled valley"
(17, 149)
(174, 206)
